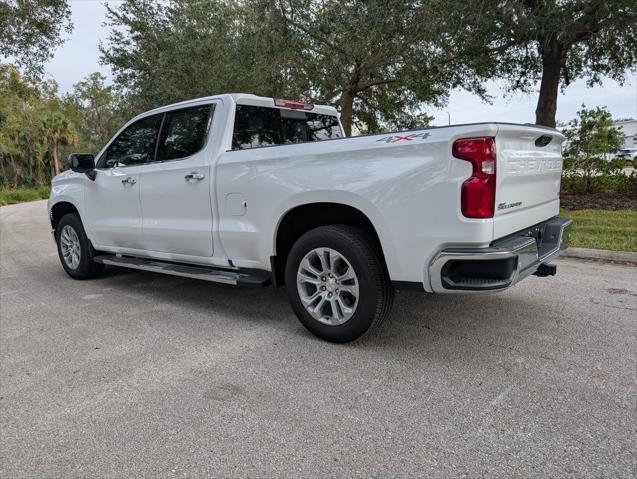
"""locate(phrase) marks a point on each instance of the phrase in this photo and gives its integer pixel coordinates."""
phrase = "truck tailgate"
(529, 168)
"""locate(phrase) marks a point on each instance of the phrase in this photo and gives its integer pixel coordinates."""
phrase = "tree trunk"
(39, 174)
(30, 169)
(553, 59)
(56, 163)
(16, 172)
(347, 109)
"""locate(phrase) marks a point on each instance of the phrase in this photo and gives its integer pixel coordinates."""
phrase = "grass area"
(603, 229)
(20, 195)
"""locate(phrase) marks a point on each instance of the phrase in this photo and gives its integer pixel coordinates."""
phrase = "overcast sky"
(79, 56)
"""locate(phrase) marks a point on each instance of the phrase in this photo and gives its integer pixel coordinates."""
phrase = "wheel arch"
(301, 218)
(59, 209)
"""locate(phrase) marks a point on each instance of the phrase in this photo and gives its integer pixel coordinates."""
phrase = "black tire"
(87, 268)
(375, 291)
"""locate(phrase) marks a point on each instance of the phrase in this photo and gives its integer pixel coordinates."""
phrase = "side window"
(255, 126)
(323, 127)
(135, 145)
(293, 128)
(300, 126)
(183, 133)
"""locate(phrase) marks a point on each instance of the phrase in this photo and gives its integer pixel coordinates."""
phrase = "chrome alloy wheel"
(70, 246)
(328, 286)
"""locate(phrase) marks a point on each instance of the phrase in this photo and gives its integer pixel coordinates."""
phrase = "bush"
(586, 170)
(594, 174)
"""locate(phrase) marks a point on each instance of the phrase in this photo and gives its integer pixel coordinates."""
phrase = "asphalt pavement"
(142, 375)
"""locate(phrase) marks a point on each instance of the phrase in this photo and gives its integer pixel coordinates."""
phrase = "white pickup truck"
(256, 191)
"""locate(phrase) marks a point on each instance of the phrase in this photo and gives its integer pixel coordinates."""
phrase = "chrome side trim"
(185, 270)
(160, 268)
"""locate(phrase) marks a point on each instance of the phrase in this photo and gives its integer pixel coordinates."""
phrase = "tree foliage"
(38, 128)
(96, 110)
(166, 52)
(22, 151)
(559, 41)
(592, 134)
(57, 131)
(590, 139)
(30, 29)
(378, 62)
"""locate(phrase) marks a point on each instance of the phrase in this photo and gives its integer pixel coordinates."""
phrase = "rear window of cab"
(256, 126)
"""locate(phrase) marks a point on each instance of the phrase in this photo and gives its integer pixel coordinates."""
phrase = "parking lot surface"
(138, 374)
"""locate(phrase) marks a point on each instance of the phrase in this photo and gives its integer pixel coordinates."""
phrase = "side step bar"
(187, 271)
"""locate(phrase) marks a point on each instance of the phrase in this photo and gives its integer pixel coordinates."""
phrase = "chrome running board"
(187, 271)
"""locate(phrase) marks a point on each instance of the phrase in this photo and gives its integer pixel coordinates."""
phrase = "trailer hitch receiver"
(546, 270)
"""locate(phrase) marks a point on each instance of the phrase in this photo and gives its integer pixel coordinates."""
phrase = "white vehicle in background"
(627, 154)
(255, 191)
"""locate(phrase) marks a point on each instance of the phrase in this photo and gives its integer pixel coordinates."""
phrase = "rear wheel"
(337, 282)
(74, 248)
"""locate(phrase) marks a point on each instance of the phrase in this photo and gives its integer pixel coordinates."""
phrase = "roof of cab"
(239, 99)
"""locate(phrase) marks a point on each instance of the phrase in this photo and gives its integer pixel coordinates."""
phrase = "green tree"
(592, 134)
(559, 41)
(377, 62)
(30, 29)
(94, 108)
(21, 150)
(380, 61)
(57, 131)
(590, 138)
(161, 53)
(38, 128)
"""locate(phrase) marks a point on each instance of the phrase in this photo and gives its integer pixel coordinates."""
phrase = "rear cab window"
(258, 126)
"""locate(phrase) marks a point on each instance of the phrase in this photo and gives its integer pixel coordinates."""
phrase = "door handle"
(129, 180)
(194, 176)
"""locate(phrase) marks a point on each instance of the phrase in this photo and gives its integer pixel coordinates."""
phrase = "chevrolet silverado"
(256, 191)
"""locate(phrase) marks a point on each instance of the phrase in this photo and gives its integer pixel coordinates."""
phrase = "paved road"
(137, 374)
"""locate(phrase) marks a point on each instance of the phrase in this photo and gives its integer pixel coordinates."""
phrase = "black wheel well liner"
(58, 210)
(301, 219)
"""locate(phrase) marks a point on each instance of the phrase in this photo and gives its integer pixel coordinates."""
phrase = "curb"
(600, 255)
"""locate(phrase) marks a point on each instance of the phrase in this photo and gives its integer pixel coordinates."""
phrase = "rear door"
(175, 189)
(529, 169)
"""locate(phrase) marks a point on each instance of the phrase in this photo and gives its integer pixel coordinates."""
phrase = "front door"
(114, 209)
(175, 190)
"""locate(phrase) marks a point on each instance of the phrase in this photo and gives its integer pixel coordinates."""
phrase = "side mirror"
(83, 163)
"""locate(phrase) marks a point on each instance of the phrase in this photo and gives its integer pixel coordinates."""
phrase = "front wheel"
(74, 248)
(337, 282)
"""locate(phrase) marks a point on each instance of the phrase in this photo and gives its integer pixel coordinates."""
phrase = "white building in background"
(629, 129)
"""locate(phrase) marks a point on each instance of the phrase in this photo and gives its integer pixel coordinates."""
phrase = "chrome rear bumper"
(501, 265)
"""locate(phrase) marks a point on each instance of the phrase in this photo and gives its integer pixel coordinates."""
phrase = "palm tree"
(57, 130)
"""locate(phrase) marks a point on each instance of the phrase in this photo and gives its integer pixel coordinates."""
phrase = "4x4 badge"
(410, 137)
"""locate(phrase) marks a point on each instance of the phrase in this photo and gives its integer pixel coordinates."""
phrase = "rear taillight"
(478, 192)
